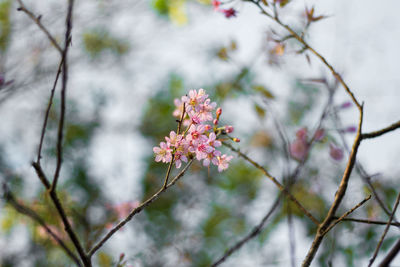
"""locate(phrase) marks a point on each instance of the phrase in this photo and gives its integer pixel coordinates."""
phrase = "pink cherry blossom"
(216, 4)
(163, 153)
(198, 139)
(223, 162)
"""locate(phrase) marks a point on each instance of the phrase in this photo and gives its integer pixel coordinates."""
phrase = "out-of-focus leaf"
(5, 26)
(260, 111)
(263, 91)
(223, 53)
(282, 3)
(104, 259)
(261, 139)
(100, 40)
(218, 215)
(241, 180)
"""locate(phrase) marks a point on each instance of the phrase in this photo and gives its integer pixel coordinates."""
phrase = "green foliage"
(241, 180)
(100, 40)
(173, 9)
(5, 24)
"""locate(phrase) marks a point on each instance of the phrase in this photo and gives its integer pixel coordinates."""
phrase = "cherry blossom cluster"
(199, 139)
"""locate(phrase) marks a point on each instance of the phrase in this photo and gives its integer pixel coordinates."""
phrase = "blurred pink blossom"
(335, 152)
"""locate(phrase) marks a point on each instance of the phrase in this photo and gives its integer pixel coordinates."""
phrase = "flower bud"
(219, 112)
(237, 140)
(346, 105)
(215, 122)
(228, 129)
(207, 127)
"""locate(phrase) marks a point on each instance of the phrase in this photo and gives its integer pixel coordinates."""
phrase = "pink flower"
(202, 150)
(212, 140)
(298, 149)
(229, 12)
(223, 162)
(173, 139)
(206, 109)
(335, 152)
(212, 157)
(179, 157)
(163, 153)
(194, 100)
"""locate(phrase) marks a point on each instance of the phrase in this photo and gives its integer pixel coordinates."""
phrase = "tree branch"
(9, 197)
(341, 218)
(383, 131)
(256, 230)
(385, 232)
(137, 210)
(278, 184)
(36, 19)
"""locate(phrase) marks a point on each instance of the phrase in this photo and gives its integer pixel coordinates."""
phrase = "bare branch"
(391, 255)
(9, 197)
(256, 230)
(36, 19)
(278, 184)
(67, 42)
(383, 131)
(137, 210)
(46, 117)
(346, 214)
(368, 221)
(385, 232)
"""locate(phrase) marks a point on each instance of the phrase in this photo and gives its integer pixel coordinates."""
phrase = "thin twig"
(346, 214)
(374, 134)
(366, 221)
(173, 153)
(391, 255)
(67, 42)
(338, 196)
(36, 19)
(275, 181)
(371, 261)
(137, 210)
(9, 197)
(46, 117)
(256, 230)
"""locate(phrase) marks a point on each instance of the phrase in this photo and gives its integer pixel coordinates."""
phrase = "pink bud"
(237, 140)
(219, 112)
(229, 12)
(121, 256)
(228, 129)
(319, 134)
(215, 122)
(207, 127)
(351, 129)
(216, 4)
(298, 149)
(302, 134)
(346, 104)
(335, 152)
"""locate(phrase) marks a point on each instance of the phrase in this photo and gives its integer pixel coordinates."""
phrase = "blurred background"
(129, 60)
